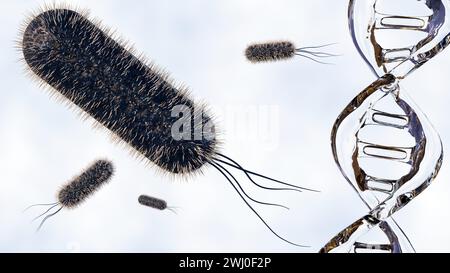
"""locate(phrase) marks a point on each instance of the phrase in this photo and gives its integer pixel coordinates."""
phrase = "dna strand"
(383, 144)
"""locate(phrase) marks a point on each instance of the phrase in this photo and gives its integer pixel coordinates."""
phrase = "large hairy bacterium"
(127, 95)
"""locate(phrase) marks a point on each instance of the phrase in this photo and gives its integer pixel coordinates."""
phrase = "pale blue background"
(43, 143)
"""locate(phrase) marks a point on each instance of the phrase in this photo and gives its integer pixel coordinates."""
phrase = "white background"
(43, 143)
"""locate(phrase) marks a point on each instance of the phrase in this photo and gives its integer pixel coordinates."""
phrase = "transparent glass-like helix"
(382, 142)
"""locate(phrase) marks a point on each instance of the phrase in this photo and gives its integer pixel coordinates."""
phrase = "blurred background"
(43, 143)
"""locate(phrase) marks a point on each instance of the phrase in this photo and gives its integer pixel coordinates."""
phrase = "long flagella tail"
(42, 214)
(236, 165)
(47, 217)
(35, 205)
(217, 165)
(252, 209)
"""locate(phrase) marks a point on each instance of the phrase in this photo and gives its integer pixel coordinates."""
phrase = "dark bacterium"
(283, 50)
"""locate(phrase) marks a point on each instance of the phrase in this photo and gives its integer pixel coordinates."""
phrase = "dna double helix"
(383, 144)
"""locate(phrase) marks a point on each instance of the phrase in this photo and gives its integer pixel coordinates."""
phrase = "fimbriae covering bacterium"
(128, 95)
(78, 189)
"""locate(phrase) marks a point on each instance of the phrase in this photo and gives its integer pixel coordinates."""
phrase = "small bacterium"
(283, 50)
(154, 202)
(77, 190)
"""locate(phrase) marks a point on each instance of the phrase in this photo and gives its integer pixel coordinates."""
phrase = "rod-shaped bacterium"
(79, 188)
(283, 50)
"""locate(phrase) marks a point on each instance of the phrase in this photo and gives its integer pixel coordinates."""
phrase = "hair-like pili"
(128, 95)
(270, 51)
(79, 188)
(282, 50)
